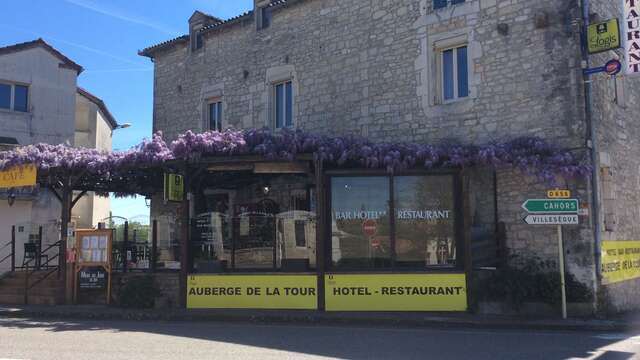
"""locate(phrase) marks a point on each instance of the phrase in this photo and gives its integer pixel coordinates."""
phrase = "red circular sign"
(370, 227)
(375, 243)
(613, 67)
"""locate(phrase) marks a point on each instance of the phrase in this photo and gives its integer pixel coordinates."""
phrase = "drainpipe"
(592, 144)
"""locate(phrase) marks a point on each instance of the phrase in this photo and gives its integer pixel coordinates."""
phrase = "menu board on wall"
(93, 247)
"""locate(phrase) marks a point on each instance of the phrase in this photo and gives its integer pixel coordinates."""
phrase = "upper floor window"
(14, 97)
(215, 116)
(439, 4)
(455, 73)
(283, 105)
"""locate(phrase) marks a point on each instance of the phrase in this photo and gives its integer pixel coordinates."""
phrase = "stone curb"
(327, 319)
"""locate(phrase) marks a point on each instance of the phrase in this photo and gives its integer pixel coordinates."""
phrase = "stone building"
(426, 71)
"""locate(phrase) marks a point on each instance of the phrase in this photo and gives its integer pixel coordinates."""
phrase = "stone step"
(12, 299)
(33, 291)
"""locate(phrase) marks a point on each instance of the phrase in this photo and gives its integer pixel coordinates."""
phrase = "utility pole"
(592, 143)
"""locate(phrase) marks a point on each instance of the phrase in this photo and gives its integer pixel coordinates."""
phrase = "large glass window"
(360, 225)
(266, 224)
(421, 234)
(425, 226)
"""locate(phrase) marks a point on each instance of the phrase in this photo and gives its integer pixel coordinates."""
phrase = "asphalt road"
(114, 340)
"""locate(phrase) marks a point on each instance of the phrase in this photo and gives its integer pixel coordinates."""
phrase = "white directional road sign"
(552, 219)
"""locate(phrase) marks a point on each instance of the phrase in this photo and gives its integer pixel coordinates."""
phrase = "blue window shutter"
(463, 72)
(439, 4)
(447, 72)
(212, 116)
(279, 105)
(289, 105)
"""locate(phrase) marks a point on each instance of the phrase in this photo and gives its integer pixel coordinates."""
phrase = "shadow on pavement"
(365, 343)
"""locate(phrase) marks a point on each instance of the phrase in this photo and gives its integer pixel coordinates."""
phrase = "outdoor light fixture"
(147, 201)
(11, 199)
(266, 188)
(122, 126)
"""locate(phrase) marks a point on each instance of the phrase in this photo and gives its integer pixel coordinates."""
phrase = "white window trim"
(12, 97)
(274, 98)
(456, 95)
(209, 102)
(437, 53)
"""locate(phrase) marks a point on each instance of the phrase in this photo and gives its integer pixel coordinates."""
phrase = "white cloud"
(120, 15)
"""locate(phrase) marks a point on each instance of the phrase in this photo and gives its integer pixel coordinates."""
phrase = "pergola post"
(65, 218)
(184, 237)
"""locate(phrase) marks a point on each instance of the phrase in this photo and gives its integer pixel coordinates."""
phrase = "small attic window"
(197, 40)
(264, 17)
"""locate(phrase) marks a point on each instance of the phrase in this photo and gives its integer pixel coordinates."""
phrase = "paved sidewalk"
(440, 320)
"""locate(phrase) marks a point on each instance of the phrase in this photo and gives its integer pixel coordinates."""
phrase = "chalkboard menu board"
(92, 278)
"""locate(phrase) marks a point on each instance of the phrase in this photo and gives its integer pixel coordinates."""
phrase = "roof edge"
(101, 105)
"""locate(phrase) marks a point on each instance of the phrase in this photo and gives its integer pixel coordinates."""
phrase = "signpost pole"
(561, 268)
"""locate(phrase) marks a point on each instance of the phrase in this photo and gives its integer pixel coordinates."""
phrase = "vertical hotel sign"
(631, 36)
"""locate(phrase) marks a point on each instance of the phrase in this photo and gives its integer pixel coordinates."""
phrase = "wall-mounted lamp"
(11, 199)
(122, 126)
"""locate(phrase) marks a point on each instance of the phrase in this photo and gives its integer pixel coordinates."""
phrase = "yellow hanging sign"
(18, 176)
(396, 292)
(620, 261)
(173, 187)
(603, 36)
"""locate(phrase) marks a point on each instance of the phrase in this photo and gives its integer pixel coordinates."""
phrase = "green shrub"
(138, 292)
(530, 280)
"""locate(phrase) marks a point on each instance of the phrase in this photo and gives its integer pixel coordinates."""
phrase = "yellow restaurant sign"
(604, 36)
(298, 292)
(396, 292)
(620, 261)
(18, 176)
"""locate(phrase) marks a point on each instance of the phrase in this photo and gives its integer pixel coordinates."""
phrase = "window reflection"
(360, 222)
(266, 224)
(425, 226)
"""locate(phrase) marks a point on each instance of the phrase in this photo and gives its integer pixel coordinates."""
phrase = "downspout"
(592, 144)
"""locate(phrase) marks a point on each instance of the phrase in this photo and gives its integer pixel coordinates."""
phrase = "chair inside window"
(31, 252)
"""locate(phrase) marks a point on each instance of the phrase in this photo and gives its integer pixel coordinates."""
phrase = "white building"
(40, 102)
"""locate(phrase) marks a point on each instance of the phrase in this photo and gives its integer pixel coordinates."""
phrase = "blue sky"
(104, 36)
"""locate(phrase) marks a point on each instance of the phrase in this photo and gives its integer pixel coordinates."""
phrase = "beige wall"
(92, 131)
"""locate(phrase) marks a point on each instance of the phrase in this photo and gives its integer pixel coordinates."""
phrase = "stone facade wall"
(370, 67)
(616, 112)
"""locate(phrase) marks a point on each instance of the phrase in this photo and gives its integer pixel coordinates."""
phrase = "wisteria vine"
(532, 155)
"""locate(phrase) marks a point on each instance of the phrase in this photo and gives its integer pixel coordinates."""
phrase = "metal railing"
(49, 269)
(12, 254)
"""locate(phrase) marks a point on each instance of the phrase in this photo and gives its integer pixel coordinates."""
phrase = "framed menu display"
(93, 262)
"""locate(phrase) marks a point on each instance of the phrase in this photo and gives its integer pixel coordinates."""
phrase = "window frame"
(441, 74)
(458, 218)
(12, 97)
(447, 4)
(215, 101)
(274, 104)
